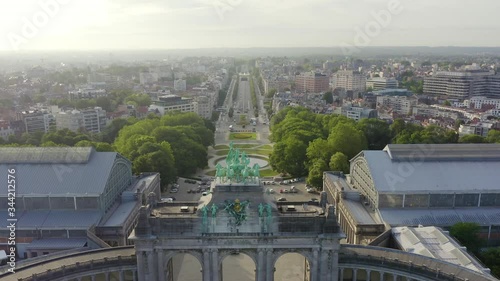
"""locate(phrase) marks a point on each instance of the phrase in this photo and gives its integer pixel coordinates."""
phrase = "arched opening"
(292, 267)
(183, 267)
(238, 266)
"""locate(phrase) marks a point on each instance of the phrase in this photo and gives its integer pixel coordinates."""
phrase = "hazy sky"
(167, 24)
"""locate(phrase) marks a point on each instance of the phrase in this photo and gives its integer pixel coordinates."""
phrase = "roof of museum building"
(444, 168)
(54, 171)
(432, 242)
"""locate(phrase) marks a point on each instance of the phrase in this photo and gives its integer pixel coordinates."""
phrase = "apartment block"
(312, 82)
(350, 80)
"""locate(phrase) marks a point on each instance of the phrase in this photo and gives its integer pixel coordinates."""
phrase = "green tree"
(315, 176)
(139, 99)
(467, 233)
(328, 97)
(339, 162)
(271, 93)
(105, 103)
(318, 149)
(347, 139)
(491, 258)
(377, 132)
(447, 103)
(157, 158)
(493, 136)
(472, 139)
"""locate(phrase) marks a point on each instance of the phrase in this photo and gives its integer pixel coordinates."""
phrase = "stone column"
(140, 265)
(106, 274)
(368, 273)
(313, 266)
(323, 267)
(341, 273)
(121, 275)
(269, 265)
(335, 264)
(153, 265)
(134, 272)
(395, 277)
(354, 274)
(206, 265)
(160, 255)
(215, 265)
(92, 277)
(261, 265)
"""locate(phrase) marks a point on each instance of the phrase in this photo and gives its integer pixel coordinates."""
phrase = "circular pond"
(262, 163)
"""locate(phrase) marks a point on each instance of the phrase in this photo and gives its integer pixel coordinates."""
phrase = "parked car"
(174, 190)
(281, 199)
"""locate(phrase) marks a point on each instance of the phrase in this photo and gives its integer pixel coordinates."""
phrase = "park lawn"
(221, 146)
(243, 136)
(245, 145)
(268, 173)
(222, 152)
(266, 146)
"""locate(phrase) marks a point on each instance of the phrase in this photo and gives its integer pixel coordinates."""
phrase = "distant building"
(463, 84)
(393, 92)
(5, 130)
(36, 121)
(91, 120)
(72, 197)
(381, 83)
(350, 81)
(397, 104)
(312, 82)
(180, 85)
(356, 113)
(479, 102)
(169, 103)
(278, 83)
(87, 94)
(480, 128)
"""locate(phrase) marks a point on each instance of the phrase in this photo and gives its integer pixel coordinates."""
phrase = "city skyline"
(127, 24)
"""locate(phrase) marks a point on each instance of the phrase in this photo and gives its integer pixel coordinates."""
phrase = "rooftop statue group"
(237, 169)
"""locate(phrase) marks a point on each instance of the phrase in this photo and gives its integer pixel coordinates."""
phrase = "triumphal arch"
(239, 215)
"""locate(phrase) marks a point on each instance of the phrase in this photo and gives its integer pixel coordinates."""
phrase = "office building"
(350, 80)
(168, 103)
(87, 94)
(397, 104)
(311, 82)
(355, 112)
(36, 121)
(90, 120)
(381, 83)
(463, 84)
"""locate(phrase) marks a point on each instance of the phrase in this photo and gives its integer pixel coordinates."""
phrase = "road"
(242, 106)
